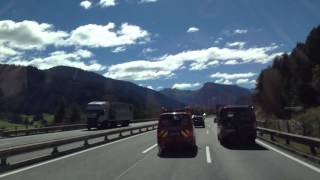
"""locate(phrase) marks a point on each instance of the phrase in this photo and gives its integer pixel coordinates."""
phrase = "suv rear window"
(240, 115)
(169, 120)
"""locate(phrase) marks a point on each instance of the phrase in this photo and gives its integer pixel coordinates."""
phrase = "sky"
(157, 44)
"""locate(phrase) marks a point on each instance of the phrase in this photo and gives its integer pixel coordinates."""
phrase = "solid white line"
(67, 156)
(208, 155)
(148, 149)
(288, 156)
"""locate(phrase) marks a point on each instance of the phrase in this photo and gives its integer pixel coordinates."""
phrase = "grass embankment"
(6, 124)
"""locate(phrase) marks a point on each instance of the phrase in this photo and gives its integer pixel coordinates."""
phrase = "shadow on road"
(179, 153)
(243, 146)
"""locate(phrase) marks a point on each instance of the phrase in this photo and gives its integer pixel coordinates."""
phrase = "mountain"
(210, 95)
(29, 90)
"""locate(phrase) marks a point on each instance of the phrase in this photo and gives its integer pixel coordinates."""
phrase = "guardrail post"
(86, 143)
(106, 138)
(131, 132)
(272, 137)
(120, 135)
(140, 130)
(287, 141)
(55, 150)
(3, 162)
(313, 150)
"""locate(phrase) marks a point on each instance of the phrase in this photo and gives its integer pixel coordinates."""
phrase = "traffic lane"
(22, 140)
(244, 162)
(103, 162)
(174, 165)
(48, 151)
(256, 162)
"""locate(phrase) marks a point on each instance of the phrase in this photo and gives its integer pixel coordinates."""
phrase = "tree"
(60, 114)
(75, 113)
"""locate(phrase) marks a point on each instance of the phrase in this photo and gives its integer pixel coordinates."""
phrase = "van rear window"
(168, 120)
(238, 114)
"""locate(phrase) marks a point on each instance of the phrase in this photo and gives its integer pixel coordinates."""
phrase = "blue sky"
(156, 43)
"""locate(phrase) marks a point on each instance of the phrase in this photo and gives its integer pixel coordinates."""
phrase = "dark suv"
(198, 120)
(175, 130)
(236, 124)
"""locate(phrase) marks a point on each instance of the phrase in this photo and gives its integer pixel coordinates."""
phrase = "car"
(236, 124)
(175, 131)
(198, 120)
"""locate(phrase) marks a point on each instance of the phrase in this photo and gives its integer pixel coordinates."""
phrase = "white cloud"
(166, 65)
(93, 35)
(150, 87)
(223, 81)
(148, 50)
(232, 76)
(6, 52)
(159, 88)
(107, 3)
(146, 86)
(85, 4)
(193, 29)
(60, 58)
(231, 62)
(147, 1)
(240, 31)
(141, 70)
(245, 81)
(26, 35)
(236, 44)
(119, 49)
(185, 85)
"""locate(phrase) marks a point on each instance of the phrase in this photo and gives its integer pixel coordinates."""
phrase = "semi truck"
(106, 114)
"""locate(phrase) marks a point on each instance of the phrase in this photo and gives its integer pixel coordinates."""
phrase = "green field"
(7, 125)
(10, 126)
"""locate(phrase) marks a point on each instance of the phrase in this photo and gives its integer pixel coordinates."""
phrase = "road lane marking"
(148, 149)
(207, 131)
(67, 156)
(288, 156)
(208, 155)
(131, 167)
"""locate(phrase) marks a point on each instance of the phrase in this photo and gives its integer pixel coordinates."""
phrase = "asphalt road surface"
(135, 158)
(21, 140)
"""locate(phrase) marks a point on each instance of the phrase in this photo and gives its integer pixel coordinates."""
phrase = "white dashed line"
(148, 149)
(208, 155)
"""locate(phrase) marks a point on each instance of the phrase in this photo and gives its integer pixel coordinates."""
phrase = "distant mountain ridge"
(210, 95)
(30, 90)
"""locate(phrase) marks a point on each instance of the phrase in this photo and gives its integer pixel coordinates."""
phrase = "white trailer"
(105, 114)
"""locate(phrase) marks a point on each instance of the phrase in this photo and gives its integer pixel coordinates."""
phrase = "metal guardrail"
(42, 130)
(54, 145)
(313, 143)
(24, 132)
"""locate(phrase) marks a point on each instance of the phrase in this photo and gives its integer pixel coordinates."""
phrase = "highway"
(21, 140)
(135, 158)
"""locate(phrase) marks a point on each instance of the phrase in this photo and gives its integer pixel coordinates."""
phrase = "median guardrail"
(312, 143)
(25, 132)
(54, 145)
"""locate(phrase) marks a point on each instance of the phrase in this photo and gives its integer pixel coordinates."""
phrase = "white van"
(105, 114)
